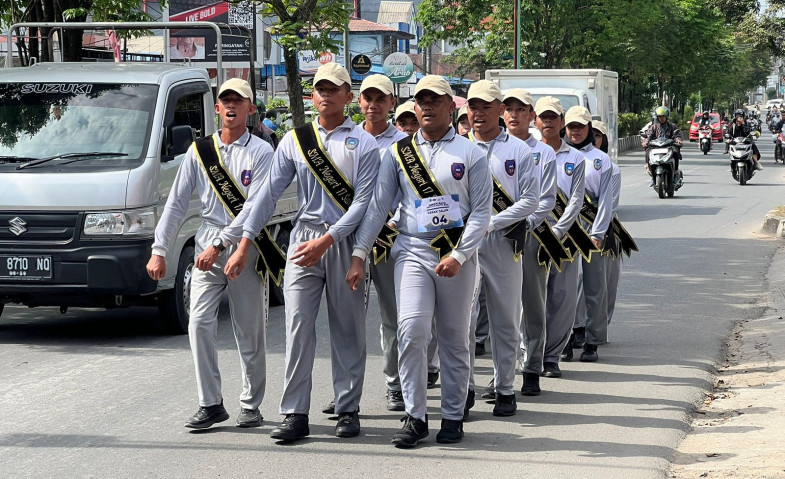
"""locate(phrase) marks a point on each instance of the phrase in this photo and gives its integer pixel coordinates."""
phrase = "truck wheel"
(175, 304)
(282, 239)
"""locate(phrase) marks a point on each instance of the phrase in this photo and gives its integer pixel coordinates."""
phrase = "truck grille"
(28, 228)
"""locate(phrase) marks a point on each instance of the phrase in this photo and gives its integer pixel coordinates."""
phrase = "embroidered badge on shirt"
(509, 167)
(597, 164)
(458, 169)
(352, 142)
(245, 177)
(536, 157)
(569, 168)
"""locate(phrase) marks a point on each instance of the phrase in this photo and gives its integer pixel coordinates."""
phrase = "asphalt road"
(104, 394)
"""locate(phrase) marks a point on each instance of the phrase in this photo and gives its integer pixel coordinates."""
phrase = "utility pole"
(517, 41)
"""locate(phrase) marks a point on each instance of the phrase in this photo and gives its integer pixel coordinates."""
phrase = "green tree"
(304, 25)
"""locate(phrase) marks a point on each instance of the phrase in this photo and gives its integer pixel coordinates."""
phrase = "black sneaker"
(479, 349)
(505, 405)
(249, 418)
(330, 408)
(412, 431)
(580, 337)
(551, 370)
(490, 391)
(566, 354)
(432, 378)
(589, 354)
(348, 425)
(293, 427)
(531, 384)
(395, 401)
(207, 416)
(451, 432)
(469, 403)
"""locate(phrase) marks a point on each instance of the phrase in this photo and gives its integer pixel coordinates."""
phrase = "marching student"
(405, 119)
(335, 163)
(232, 154)
(516, 193)
(445, 189)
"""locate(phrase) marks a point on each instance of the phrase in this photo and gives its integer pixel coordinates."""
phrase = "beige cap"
(548, 103)
(600, 126)
(333, 73)
(433, 83)
(485, 90)
(577, 114)
(237, 85)
(519, 94)
(380, 82)
(403, 108)
(464, 110)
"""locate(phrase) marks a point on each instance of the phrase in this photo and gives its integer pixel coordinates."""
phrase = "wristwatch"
(218, 243)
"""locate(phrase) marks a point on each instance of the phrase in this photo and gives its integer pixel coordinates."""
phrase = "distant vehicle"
(774, 102)
(716, 125)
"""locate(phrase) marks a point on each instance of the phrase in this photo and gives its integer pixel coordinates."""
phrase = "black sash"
(425, 185)
(271, 259)
(577, 240)
(551, 249)
(619, 234)
(517, 232)
(337, 187)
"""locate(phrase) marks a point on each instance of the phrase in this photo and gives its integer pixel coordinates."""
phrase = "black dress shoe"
(330, 408)
(531, 384)
(580, 337)
(566, 354)
(589, 354)
(505, 405)
(432, 378)
(451, 432)
(469, 403)
(348, 425)
(249, 418)
(479, 349)
(412, 431)
(293, 427)
(395, 401)
(206, 416)
(551, 370)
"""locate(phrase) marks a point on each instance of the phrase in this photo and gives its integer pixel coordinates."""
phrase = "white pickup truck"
(88, 154)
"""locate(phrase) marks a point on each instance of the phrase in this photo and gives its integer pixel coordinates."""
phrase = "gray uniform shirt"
(246, 153)
(353, 151)
(571, 181)
(459, 167)
(545, 160)
(598, 186)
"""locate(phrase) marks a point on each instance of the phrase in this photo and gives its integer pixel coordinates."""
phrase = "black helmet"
(739, 112)
(706, 113)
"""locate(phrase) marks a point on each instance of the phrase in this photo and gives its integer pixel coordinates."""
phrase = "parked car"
(716, 125)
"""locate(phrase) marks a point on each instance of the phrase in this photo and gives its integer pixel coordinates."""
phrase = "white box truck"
(597, 90)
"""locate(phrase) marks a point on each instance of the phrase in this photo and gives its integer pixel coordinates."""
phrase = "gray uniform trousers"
(580, 310)
(383, 277)
(560, 303)
(422, 298)
(612, 273)
(534, 290)
(303, 289)
(595, 294)
(248, 312)
(501, 278)
(480, 312)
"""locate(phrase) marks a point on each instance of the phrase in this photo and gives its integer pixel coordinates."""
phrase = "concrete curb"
(774, 222)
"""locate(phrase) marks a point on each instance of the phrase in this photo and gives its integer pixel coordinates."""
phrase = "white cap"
(403, 108)
(577, 114)
(332, 72)
(380, 82)
(485, 90)
(600, 126)
(519, 94)
(237, 85)
(548, 103)
(464, 110)
(433, 83)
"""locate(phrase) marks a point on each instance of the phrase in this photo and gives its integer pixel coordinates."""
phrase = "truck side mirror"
(177, 141)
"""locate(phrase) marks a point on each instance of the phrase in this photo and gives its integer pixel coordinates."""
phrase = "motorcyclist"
(662, 128)
(740, 128)
(704, 120)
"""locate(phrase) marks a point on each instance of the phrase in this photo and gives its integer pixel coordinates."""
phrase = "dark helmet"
(706, 114)
(738, 112)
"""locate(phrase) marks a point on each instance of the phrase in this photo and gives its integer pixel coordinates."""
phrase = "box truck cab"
(88, 154)
(596, 90)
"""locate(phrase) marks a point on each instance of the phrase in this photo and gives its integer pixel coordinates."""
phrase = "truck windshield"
(43, 120)
(567, 101)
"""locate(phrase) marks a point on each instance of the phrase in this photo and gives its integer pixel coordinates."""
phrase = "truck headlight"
(137, 223)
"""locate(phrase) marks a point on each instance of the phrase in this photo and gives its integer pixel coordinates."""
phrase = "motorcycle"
(704, 137)
(741, 164)
(662, 165)
(779, 139)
